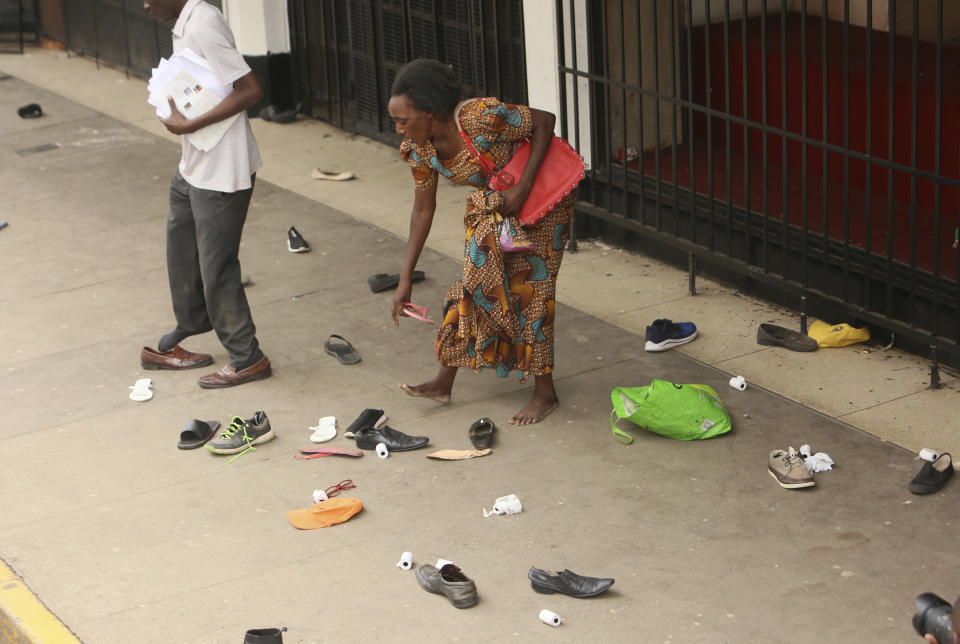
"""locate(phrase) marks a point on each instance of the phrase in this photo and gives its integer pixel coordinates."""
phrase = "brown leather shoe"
(176, 358)
(230, 377)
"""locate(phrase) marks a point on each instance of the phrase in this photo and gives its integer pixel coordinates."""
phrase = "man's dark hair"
(430, 85)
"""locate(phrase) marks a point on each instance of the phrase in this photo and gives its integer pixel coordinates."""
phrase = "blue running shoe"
(665, 334)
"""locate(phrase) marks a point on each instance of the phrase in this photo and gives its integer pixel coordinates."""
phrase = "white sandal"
(140, 391)
(325, 430)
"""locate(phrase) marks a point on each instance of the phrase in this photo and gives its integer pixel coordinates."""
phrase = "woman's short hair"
(430, 85)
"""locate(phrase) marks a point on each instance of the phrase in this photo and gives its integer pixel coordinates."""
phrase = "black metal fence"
(348, 51)
(808, 150)
(117, 32)
(17, 25)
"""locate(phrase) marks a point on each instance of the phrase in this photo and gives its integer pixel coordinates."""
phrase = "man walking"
(209, 197)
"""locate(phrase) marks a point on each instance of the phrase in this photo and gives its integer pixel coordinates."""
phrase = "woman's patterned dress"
(501, 313)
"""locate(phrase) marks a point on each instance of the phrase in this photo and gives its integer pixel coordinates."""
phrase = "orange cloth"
(325, 514)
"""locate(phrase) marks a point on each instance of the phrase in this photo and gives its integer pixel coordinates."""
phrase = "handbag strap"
(487, 165)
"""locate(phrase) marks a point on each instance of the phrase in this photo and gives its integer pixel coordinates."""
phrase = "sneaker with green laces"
(242, 435)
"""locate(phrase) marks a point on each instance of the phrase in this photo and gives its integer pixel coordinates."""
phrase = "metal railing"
(117, 32)
(803, 150)
(347, 53)
(17, 18)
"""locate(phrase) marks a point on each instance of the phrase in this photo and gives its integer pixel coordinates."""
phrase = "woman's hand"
(401, 297)
(513, 199)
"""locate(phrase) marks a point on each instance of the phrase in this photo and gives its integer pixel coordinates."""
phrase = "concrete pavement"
(125, 538)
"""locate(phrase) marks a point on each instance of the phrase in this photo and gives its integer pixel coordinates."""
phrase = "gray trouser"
(203, 243)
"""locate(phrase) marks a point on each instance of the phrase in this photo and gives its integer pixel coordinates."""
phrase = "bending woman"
(500, 315)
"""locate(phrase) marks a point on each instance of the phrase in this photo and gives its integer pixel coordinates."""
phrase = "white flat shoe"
(331, 176)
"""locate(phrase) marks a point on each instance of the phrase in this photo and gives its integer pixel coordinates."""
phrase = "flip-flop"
(411, 310)
(382, 281)
(342, 351)
(325, 430)
(481, 433)
(140, 391)
(197, 432)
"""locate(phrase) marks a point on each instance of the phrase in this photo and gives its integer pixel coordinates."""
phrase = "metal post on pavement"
(934, 368)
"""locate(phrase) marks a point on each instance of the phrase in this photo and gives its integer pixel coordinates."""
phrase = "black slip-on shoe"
(368, 418)
(772, 335)
(932, 476)
(370, 437)
(481, 433)
(264, 636)
(383, 281)
(568, 583)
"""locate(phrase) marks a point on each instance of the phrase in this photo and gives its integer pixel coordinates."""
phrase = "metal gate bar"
(369, 40)
(823, 245)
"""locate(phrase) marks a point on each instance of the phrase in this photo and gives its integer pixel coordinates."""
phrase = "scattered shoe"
(230, 377)
(777, 336)
(307, 453)
(665, 334)
(481, 433)
(338, 347)
(788, 469)
(140, 391)
(197, 432)
(30, 111)
(331, 176)
(325, 429)
(450, 582)
(264, 636)
(396, 441)
(367, 418)
(932, 476)
(568, 583)
(275, 115)
(242, 435)
(176, 358)
(383, 281)
(417, 312)
(296, 243)
(458, 454)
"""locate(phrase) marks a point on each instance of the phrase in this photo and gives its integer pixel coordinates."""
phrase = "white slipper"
(140, 391)
(331, 176)
(325, 430)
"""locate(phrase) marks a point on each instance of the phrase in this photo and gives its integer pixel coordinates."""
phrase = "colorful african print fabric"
(500, 315)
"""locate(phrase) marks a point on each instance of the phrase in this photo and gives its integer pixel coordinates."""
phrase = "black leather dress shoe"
(368, 437)
(932, 476)
(568, 583)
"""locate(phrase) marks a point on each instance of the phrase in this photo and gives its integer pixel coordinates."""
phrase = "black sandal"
(197, 432)
(342, 351)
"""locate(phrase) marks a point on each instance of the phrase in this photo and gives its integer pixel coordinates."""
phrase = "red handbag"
(562, 169)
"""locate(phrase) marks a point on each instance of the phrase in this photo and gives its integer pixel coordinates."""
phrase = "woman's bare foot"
(431, 389)
(544, 401)
(536, 410)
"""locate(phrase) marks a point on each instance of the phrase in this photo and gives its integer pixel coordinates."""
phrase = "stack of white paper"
(189, 80)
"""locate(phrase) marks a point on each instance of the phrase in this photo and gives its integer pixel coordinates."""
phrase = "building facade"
(805, 151)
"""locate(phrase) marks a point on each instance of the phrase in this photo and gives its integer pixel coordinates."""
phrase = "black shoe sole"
(549, 591)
